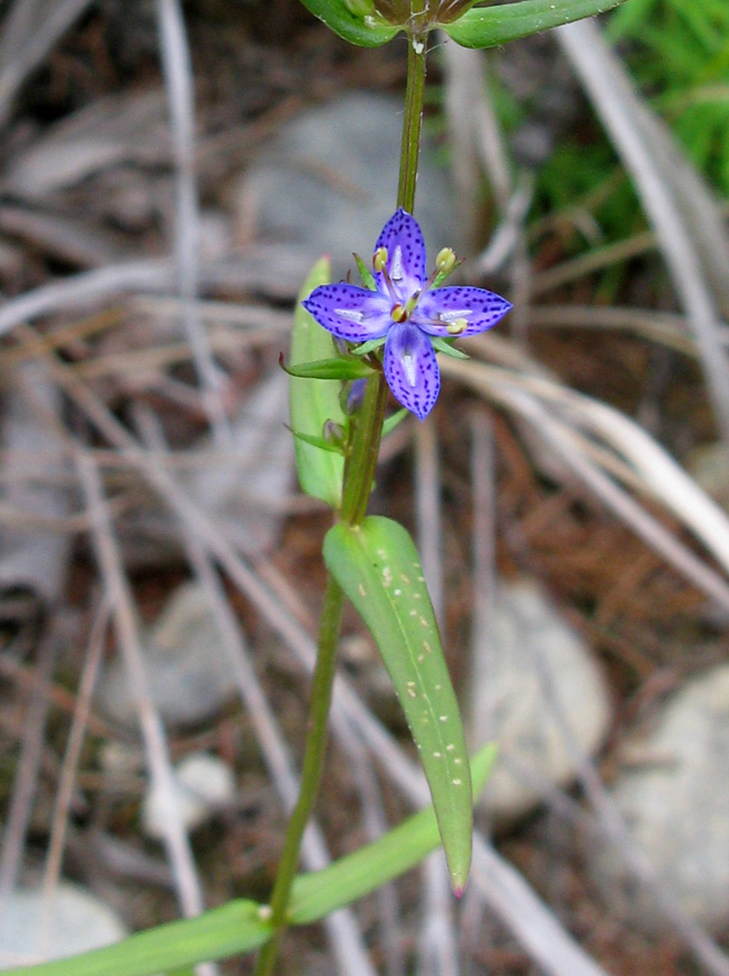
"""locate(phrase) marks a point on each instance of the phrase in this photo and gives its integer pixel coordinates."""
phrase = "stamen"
(445, 262)
(412, 302)
(456, 327)
(379, 263)
(399, 312)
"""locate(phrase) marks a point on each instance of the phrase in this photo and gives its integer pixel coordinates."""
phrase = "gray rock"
(528, 659)
(202, 785)
(674, 799)
(328, 183)
(186, 666)
(32, 930)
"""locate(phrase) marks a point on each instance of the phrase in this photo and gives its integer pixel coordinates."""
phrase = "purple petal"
(349, 312)
(403, 239)
(443, 307)
(411, 369)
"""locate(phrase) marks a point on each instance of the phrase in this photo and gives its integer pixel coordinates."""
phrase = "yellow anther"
(456, 327)
(446, 260)
(379, 259)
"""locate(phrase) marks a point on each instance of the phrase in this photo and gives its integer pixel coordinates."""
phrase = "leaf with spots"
(378, 567)
(314, 401)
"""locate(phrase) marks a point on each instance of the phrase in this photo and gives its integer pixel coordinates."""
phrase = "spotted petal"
(411, 369)
(442, 311)
(350, 312)
(403, 239)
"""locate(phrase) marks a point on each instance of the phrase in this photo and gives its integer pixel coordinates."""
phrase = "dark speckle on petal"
(402, 232)
(411, 369)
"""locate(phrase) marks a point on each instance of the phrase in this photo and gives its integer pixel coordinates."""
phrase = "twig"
(662, 327)
(68, 773)
(484, 573)
(59, 16)
(618, 105)
(24, 785)
(88, 286)
(595, 260)
(474, 134)
(662, 477)
(153, 734)
(177, 71)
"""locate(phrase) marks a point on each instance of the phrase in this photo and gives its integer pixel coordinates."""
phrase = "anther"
(445, 262)
(456, 327)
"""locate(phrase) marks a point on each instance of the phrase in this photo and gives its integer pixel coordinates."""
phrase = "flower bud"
(353, 395)
(394, 11)
(333, 433)
(449, 10)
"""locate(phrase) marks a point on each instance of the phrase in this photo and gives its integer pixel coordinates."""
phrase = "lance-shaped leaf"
(378, 567)
(366, 869)
(226, 931)
(365, 29)
(313, 402)
(329, 369)
(241, 926)
(491, 26)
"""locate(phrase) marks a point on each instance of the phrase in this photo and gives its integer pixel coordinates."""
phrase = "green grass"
(678, 52)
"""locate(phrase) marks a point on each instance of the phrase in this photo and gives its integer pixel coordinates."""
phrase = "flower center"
(400, 312)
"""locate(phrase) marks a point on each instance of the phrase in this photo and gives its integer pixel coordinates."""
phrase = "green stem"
(316, 740)
(360, 471)
(358, 480)
(412, 124)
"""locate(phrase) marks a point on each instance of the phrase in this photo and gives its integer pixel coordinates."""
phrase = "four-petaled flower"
(408, 310)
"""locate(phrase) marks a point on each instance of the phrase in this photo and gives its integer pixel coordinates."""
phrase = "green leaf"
(378, 567)
(395, 420)
(442, 345)
(368, 279)
(238, 926)
(227, 931)
(369, 346)
(490, 26)
(319, 443)
(400, 849)
(366, 31)
(340, 368)
(313, 402)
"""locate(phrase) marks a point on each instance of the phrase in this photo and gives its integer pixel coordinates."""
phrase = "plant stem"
(412, 123)
(360, 470)
(358, 480)
(321, 693)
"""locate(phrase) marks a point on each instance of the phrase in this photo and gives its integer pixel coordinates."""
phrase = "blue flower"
(407, 310)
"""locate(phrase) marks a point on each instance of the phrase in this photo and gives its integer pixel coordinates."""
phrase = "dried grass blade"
(620, 108)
